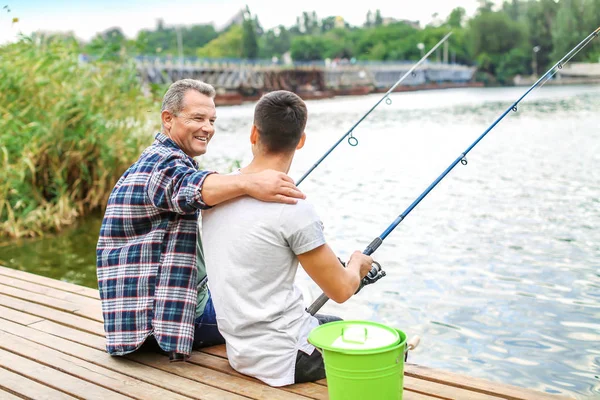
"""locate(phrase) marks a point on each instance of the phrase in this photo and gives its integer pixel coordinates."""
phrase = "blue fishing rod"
(352, 140)
(376, 272)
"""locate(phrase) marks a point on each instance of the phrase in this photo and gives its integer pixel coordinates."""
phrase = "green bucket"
(363, 360)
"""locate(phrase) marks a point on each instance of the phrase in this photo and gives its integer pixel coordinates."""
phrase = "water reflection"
(498, 269)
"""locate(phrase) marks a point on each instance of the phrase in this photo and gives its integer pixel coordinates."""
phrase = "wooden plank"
(235, 384)
(82, 369)
(220, 363)
(311, 390)
(15, 383)
(92, 312)
(49, 291)
(195, 372)
(410, 385)
(501, 390)
(98, 342)
(8, 396)
(52, 314)
(19, 317)
(42, 280)
(201, 359)
(38, 298)
(55, 379)
(219, 351)
(418, 378)
(122, 365)
(443, 391)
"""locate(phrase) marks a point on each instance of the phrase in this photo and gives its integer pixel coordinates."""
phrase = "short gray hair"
(173, 100)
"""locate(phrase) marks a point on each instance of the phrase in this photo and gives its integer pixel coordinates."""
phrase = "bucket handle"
(413, 343)
(350, 339)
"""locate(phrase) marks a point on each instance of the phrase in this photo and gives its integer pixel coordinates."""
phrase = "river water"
(497, 269)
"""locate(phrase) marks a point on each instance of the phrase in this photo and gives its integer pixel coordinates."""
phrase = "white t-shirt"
(250, 248)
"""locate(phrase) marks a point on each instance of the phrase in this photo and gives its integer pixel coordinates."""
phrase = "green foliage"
(456, 18)
(226, 45)
(574, 20)
(67, 132)
(249, 39)
(163, 41)
(275, 42)
(493, 51)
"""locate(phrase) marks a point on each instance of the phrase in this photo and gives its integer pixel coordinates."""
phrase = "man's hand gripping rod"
(375, 274)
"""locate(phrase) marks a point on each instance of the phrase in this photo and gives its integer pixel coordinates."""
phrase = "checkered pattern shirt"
(146, 254)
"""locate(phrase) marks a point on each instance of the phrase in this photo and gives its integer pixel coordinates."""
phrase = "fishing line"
(352, 140)
(376, 272)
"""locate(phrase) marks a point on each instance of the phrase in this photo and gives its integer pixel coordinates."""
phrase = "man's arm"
(337, 282)
(267, 185)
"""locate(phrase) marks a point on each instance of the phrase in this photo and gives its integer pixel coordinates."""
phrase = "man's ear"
(167, 119)
(254, 134)
(301, 142)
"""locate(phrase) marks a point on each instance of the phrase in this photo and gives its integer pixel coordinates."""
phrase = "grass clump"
(68, 130)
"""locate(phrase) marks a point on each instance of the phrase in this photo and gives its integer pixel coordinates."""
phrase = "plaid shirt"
(146, 254)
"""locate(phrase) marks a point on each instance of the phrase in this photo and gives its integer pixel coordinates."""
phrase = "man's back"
(250, 249)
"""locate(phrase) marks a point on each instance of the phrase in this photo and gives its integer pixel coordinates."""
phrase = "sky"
(87, 17)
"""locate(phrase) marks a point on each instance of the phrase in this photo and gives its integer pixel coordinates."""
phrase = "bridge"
(238, 80)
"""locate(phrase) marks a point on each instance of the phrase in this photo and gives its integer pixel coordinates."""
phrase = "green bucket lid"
(354, 336)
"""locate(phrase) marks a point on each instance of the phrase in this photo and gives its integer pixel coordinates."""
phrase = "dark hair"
(280, 117)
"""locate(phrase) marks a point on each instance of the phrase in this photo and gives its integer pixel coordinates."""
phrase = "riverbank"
(233, 98)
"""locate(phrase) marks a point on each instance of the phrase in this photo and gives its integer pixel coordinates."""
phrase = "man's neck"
(277, 162)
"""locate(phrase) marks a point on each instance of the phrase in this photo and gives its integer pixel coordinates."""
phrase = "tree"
(378, 20)
(327, 24)
(493, 40)
(110, 44)
(567, 29)
(456, 17)
(249, 40)
(540, 16)
(485, 6)
(227, 45)
(369, 21)
(308, 48)
(275, 42)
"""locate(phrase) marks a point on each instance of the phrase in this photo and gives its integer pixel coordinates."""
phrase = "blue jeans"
(206, 332)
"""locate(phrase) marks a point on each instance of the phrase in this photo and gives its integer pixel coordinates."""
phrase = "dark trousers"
(310, 368)
(206, 334)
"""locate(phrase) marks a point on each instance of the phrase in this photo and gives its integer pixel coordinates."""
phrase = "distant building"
(389, 20)
(339, 22)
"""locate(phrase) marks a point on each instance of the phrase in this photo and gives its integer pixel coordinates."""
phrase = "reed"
(68, 130)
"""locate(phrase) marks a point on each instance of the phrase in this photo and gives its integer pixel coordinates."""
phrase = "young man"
(252, 252)
(149, 264)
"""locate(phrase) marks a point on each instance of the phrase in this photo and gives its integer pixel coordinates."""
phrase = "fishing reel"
(375, 274)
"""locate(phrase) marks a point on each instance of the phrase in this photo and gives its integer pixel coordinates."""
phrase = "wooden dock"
(52, 347)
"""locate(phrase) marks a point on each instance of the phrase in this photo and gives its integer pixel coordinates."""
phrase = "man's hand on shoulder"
(272, 186)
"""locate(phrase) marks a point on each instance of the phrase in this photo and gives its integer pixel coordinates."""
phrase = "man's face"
(193, 127)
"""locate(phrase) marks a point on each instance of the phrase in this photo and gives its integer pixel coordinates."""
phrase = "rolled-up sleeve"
(175, 186)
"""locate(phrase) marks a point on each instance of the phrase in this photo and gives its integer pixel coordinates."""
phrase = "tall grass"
(68, 130)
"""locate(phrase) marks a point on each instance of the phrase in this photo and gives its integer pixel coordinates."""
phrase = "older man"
(147, 260)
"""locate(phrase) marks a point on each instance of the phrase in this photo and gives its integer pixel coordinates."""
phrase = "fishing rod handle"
(317, 304)
(374, 245)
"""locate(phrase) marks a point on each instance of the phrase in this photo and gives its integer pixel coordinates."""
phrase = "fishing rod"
(376, 272)
(352, 140)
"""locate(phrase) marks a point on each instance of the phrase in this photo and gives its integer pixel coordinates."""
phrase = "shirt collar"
(168, 142)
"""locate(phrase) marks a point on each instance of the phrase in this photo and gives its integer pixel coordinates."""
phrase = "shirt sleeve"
(175, 186)
(302, 227)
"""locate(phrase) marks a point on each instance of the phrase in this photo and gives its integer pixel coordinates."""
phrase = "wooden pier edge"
(52, 347)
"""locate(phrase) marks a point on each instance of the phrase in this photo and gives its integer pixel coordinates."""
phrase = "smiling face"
(193, 127)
